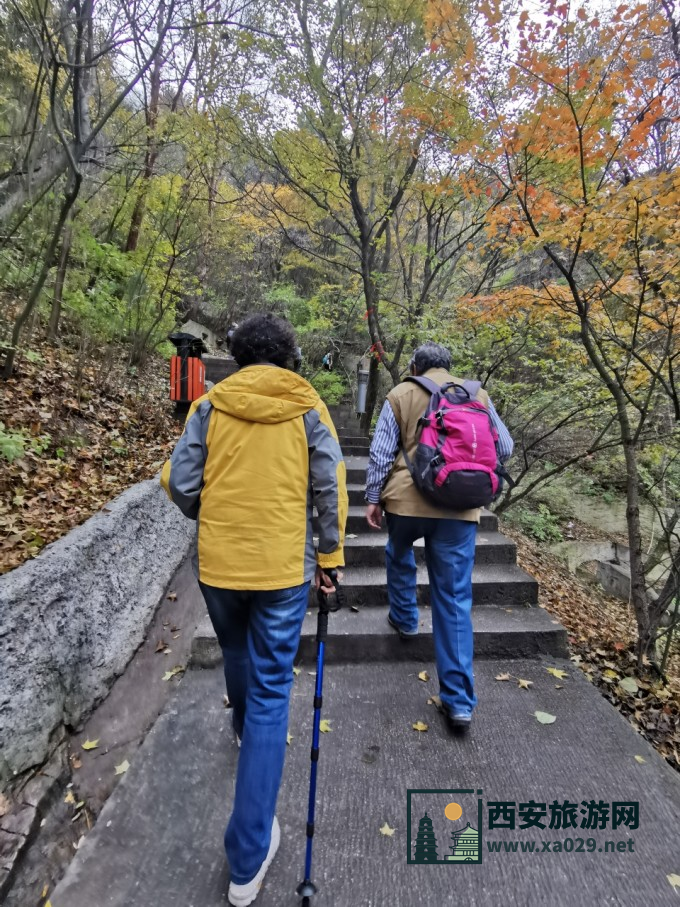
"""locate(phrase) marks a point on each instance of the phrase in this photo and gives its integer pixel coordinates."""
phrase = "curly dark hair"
(430, 355)
(264, 338)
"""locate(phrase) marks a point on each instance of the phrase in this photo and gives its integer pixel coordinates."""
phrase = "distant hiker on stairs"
(449, 534)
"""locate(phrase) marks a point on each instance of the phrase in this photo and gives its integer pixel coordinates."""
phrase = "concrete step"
(355, 492)
(366, 637)
(356, 521)
(359, 449)
(351, 437)
(356, 468)
(506, 585)
(367, 549)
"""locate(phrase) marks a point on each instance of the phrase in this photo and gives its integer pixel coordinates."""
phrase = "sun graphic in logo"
(453, 811)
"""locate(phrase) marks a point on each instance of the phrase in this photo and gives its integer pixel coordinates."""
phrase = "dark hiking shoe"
(403, 634)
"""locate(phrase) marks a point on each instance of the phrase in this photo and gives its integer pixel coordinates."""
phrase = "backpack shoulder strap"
(431, 387)
(472, 387)
(426, 383)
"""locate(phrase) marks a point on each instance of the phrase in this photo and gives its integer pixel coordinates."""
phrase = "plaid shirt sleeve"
(505, 443)
(384, 448)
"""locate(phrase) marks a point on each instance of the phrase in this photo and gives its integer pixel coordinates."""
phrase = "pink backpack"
(456, 464)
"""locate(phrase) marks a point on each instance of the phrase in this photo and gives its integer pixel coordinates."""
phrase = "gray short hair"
(430, 355)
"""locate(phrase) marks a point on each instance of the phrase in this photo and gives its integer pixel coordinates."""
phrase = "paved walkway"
(158, 840)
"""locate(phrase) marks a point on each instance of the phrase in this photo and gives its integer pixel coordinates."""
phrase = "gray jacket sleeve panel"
(324, 458)
(188, 462)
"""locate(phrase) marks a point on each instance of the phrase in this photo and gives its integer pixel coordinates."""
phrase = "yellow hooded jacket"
(258, 451)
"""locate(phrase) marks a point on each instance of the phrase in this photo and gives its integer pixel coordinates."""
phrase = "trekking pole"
(306, 889)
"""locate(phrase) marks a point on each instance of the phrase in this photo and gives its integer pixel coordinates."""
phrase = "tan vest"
(400, 495)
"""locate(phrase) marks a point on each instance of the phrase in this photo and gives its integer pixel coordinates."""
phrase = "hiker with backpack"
(258, 452)
(436, 458)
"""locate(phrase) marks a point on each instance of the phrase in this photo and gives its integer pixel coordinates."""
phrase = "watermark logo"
(444, 826)
(448, 826)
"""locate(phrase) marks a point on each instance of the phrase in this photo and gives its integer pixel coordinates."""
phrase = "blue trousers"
(450, 556)
(258, 633)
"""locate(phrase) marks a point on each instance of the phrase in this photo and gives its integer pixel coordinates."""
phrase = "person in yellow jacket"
(259, 450)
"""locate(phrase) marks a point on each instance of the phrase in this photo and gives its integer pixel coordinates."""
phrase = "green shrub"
(12, 443)
(330, 386)
(541, 524)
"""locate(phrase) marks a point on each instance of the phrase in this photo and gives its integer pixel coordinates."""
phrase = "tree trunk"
(151, 152)
(62, 267)
(69, 200)
(638, 585)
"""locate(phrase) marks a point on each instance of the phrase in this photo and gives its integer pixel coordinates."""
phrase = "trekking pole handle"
(325, 605)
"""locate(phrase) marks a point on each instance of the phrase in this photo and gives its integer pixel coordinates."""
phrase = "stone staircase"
(506, 618)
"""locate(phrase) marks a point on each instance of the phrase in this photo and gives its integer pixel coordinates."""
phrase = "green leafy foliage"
(330, 386)
(540, 524)
(12, 443)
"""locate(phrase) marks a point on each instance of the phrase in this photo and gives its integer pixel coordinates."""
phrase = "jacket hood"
(264, 393)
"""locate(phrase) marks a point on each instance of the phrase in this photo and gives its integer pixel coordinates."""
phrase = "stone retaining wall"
(71, 619)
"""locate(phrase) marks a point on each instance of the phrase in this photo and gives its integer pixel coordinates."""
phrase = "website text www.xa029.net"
(568, 845)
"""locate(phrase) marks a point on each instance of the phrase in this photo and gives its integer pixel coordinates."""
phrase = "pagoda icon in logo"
(426, 843)
(444, 826)
(465, 848)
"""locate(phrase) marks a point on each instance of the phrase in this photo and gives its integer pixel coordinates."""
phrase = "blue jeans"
(258, 633)
(450, 556)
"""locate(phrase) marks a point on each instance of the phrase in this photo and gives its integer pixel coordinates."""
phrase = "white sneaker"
(242, 895)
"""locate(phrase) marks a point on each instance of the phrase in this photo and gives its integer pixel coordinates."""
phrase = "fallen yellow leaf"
(557, 672)
(419, 726)
(503, 677)
(612, 675)
(674, 880)
(69, 798)
(46, 888)
(325, 726)
(296, 671)
(436, 702)
(90, 744)
(640, 760)
(178, 669)
(424, 676)
(387, 831)
(289, 737)
(123, 767)
(524, 684)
